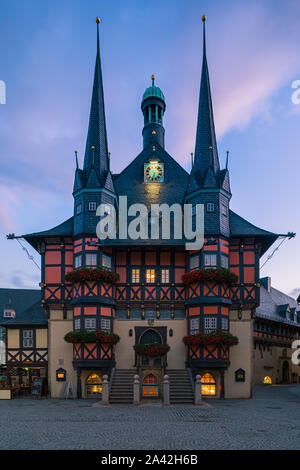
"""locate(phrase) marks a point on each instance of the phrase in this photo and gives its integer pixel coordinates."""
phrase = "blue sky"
(47, 52)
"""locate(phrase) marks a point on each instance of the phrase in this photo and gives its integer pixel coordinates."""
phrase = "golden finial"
(93, 147)
(98, 20)
(203, 18)
(153, 78)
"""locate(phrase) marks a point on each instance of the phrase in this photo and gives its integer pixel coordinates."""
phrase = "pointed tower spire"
(206, 152)
(97, 137)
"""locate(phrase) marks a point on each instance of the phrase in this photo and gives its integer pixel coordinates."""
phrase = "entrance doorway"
(285, 372)
(150, 336)
(93, 386)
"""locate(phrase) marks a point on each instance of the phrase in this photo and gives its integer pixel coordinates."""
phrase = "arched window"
(150, 386)
(208, 386)
(93, 385)
(150, 336)
(267, 380)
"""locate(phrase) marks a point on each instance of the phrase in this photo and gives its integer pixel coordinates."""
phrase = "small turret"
(153, 108)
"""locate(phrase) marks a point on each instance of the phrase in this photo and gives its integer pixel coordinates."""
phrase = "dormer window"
(9, 313)
(224, 210)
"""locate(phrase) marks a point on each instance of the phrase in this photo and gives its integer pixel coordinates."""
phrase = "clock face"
(154, 172)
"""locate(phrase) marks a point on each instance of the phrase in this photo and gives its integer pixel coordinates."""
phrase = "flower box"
(211, 274)
(152, 349)
(92, 274)
(213, 338)
(97, 336)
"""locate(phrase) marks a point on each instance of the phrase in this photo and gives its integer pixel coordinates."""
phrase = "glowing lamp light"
(61, 375)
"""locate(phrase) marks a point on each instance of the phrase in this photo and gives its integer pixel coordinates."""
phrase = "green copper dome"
(154, 91)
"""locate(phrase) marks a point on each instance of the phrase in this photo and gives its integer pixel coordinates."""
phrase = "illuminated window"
(106, 261)
(224, 322)
(90, 323)
(91, 259)
(194, 262)
(150, 386)
(208, 386)
(268, 380)
(150, 276)
(210, 261)
(194, 326)
(135, 276)
(78, 261)
(210, 324)
(77, 324)
(165, 276)
(93, 386)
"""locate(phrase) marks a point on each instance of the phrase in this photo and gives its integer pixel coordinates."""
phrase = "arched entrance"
(285, 372)
(208, 385)
(150, 336)
(93, 386)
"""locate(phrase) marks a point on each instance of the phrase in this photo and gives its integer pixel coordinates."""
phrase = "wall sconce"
(240, 313)
(61, 375)
(170, 332)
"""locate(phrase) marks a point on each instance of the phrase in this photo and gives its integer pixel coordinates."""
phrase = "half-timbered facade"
(150, 299)
(26, 335)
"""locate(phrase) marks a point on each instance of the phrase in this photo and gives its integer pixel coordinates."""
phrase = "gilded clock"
(154, 172)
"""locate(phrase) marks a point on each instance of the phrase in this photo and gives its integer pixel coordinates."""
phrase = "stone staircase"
(121, 391)
(181, 391)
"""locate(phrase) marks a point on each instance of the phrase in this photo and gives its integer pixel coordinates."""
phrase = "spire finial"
(98, 45)
(75, 151)
(227, 155)
(153, 78)
(203, 18)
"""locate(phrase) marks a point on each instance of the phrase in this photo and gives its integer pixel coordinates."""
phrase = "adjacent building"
(25, 324)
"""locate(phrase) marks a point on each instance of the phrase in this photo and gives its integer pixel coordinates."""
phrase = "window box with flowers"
(97, 336)
(208, 275)
(92, 274)
(218, 337)
(152, 349)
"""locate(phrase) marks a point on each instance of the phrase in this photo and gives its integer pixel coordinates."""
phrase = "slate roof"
(27, 305)
(240, 227)
(270, 303)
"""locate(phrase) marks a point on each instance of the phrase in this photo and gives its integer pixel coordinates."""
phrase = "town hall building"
(150, 306)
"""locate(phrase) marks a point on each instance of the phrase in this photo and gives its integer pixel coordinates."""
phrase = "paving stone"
(271, 420)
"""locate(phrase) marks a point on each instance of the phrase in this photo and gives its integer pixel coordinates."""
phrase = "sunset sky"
(47, 52)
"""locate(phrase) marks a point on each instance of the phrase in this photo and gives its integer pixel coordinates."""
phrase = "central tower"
(153, 108)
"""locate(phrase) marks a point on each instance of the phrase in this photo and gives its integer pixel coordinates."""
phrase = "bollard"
(198, 395)
(105, 391)
(166, 386)
(136, 390)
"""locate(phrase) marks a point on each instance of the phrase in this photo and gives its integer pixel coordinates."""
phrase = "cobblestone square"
(271, 420)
